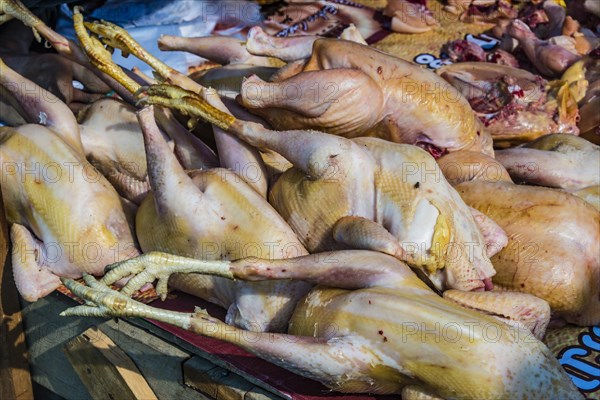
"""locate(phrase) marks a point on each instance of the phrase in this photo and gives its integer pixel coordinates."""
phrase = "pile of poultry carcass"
(350, 205)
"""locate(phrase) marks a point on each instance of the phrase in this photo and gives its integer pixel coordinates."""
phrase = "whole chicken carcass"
(371, 326)
(65, 217)
(215, 215)
(327, 91)
(111, 138)
(407, 104)
(552, 250)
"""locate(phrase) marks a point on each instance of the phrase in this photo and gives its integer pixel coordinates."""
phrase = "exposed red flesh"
(432, 149)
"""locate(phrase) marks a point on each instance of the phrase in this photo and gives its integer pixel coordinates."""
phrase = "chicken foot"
(233, 153)
(62, 45)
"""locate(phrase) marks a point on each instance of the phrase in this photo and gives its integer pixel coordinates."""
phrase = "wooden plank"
(258, 393)
(195, 375)
(159, 361)
(160, 332)
(125, 366)
(47, 333)
(97, 374)
(105, 370)
(217, 382)
(14, 367)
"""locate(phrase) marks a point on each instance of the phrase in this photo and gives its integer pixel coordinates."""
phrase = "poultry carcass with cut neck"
(370, 326)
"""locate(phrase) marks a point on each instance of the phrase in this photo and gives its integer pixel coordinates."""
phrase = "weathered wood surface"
(104, 368)
(220, 383)
(15, 379)
(159, 362)
(170, 369)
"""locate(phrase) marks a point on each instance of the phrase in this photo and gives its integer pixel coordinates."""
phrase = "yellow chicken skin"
(216, 215)
(112, 139)
(406, 103)
(414, 213)
(66, 218)
(552, 250)
(380, 196)
(464, 166)
(561, 161)
(371, 326)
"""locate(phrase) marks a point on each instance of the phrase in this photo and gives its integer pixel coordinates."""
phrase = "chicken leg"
(563, 161)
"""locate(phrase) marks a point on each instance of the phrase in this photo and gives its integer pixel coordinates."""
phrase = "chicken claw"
(104, 302)
(189, 103)
(160, 266)
(100, 57)
(118, 38)
(10, 9)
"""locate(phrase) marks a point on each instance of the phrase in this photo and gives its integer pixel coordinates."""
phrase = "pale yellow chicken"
(65, 217)
(553, 236)
(216, 215)
(360, 354)
(371, 326)
(327, 87)
(552, 250)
